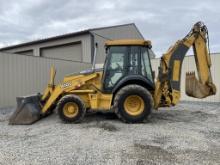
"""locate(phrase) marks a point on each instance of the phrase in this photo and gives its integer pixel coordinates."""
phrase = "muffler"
(194, 88)
(28, 110)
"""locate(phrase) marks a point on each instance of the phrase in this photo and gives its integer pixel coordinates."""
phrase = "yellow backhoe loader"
(125, 84)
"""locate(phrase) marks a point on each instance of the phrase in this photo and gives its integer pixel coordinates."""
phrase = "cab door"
(115, 66)
(146, 69)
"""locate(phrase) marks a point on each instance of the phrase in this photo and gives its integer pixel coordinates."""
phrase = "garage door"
(71, 51)
(26, 52)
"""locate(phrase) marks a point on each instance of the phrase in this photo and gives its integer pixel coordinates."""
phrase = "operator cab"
(127, 60)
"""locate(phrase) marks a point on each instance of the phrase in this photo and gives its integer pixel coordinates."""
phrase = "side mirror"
(106, 49)
(153, 75)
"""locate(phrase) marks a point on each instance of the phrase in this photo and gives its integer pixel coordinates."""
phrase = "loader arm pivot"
(167, 91)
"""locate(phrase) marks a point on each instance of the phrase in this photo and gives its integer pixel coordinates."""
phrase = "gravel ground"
(186, 134)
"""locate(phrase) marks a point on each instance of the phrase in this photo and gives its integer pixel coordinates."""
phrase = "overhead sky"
(161, 21)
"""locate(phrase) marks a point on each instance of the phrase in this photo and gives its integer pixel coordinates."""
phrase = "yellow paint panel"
(100, 101)
(105, 101)
(176, 69)
(128, 42)
(176, 97)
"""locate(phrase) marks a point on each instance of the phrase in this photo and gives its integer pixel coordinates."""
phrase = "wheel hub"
(134, 105)
(70, 109)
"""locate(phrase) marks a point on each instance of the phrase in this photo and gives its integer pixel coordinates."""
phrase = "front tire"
(71, 109)
(133, 104)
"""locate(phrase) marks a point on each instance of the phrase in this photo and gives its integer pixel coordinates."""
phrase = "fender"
(134, 79)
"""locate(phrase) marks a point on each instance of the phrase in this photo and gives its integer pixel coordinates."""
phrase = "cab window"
(145, 64)
(133, 60)
(115, 68)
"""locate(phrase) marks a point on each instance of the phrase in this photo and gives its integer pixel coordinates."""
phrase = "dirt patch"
(162, 140)
(172, 116)
(211, 134)
(108, 127)
(200, 157)
(143, 153)
(150, 148)
(105, 126)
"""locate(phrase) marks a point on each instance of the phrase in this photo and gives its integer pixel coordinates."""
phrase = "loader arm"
(167, 91)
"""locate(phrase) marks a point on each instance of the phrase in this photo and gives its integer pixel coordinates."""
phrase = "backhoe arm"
(167, 91)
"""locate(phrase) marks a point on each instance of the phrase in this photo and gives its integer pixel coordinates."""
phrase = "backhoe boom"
(167, 91)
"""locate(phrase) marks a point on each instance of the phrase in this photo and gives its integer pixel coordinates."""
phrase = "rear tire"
(71, 109)
(133, 104)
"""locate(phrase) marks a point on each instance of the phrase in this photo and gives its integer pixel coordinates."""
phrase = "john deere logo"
(65, 85)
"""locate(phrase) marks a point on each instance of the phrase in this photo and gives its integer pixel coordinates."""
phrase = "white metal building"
(77, 46)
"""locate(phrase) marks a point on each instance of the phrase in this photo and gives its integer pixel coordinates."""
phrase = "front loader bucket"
(196, 89)
(28, 110)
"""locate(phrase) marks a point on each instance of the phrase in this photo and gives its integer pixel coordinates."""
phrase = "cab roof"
(136, 42)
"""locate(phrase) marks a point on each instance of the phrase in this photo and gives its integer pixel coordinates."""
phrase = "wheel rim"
(70, 109)
(134, 105)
